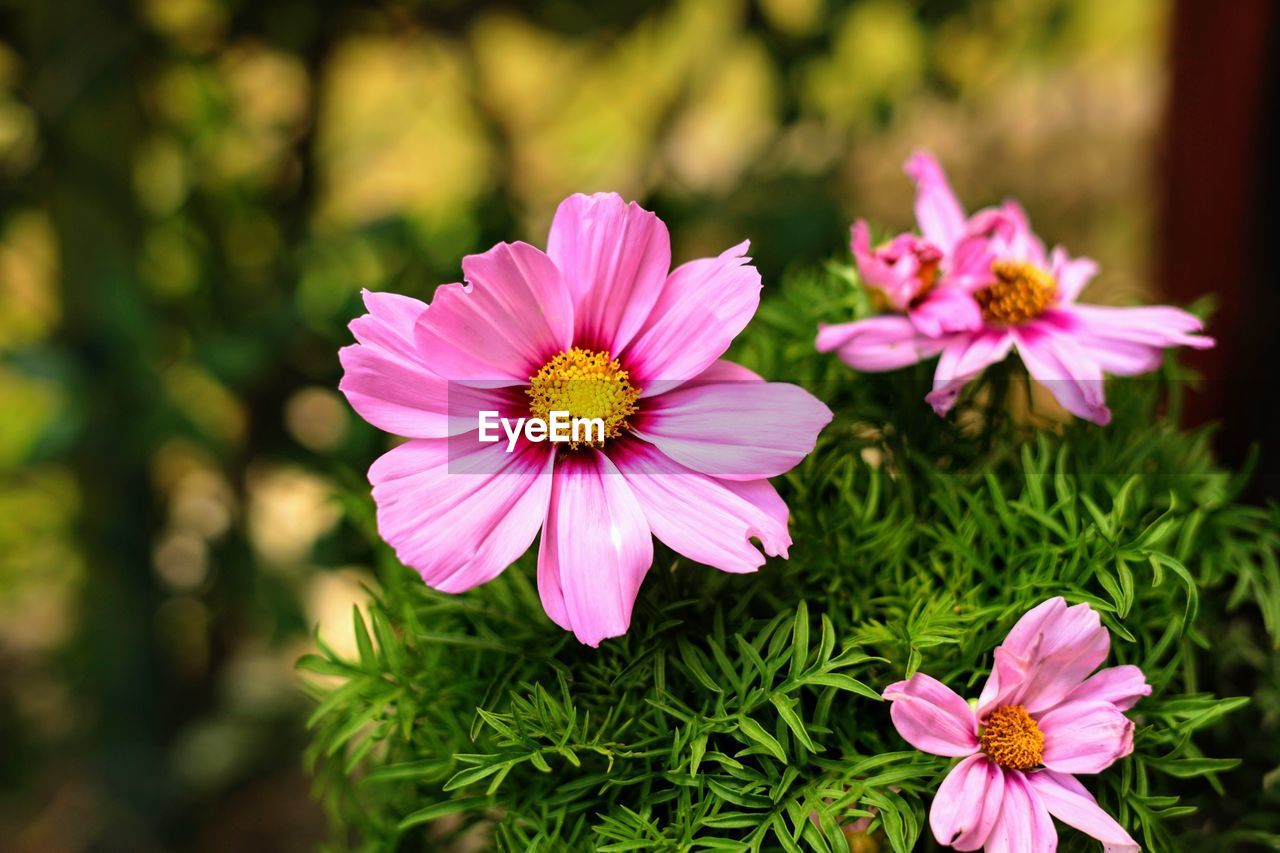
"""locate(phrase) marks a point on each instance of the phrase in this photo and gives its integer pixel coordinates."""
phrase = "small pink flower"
(1042, 718)
(997, 269)
(924, 277)
(599, 326)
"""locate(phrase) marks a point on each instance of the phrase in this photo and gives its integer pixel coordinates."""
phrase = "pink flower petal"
(1122, 686)
(1072, 274)
(384, 377)
(876, 344)
(615, 258)
(705, 519)
(727, 371)
(702, 308)
(460, 514)
(1121, 358)
(734, 430)
(1067, 800)
(1062, 365)
(1008, 674)
(941, 218)
(1156, 326)
(512, 318)
(967, 803)
(1047, 654)
(894, 270)
(932, 717)
(944, 310)
(1024, 825)
(1014, 239)
(969, 267)
(596, 548)
(963, 358)
(1085, 737)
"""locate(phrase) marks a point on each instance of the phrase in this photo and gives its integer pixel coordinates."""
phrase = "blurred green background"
(194, 193)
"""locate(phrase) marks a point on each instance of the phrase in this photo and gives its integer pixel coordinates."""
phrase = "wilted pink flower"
(1025, 299)
(601, 327)
(924, 277)
(1041, 719)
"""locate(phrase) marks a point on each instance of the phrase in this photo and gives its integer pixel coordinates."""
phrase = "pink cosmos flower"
(1042, 719)
(923, 277)
(1025, 299)
(601, 327)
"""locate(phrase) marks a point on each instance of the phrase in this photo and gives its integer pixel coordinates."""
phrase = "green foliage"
(743, 712)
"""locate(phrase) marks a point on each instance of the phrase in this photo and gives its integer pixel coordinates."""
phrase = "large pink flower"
(599, 326)
(1042, 719)
(1024, 299)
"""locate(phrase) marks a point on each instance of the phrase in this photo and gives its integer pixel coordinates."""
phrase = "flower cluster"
(972, 289)
(598, 327)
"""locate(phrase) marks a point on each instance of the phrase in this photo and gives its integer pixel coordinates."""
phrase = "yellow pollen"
(928, 277)
(1012, 739)
(1020, 293)
(586, 384)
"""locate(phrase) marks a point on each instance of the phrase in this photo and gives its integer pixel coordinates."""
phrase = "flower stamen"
(586, 384)
(1021, 292)
(1012, 739)
(927, 277)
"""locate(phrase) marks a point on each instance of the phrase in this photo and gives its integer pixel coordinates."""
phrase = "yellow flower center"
(586, 384)
(1020, 293)
(928, 277)
(1012, 739)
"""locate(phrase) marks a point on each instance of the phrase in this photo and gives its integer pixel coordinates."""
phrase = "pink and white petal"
(1065, 368)
(963, 358)
(734, 430)
(460, 512)
(615, 258)
(774, 537)
(721, 370)
(871, 269)
(708, 520)
(1122, 686)
(1058, 652)
(596, 548)
(1027, 634)
(1072, 274)
(727, 371)
(1024, 825)
(500, 328)
(703, 306)
(877, 344)
(1085, 737)
(969, 267)
(932, 717)
(967, 803)
(1008, 674)
(1067, 800)
(1020, 242)
(389, 324)
(403, 398)
(938, 211)
(1150, 325)
(944, 310)
(384, 378)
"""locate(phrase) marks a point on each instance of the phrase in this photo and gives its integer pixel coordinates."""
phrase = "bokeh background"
(193, 193)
